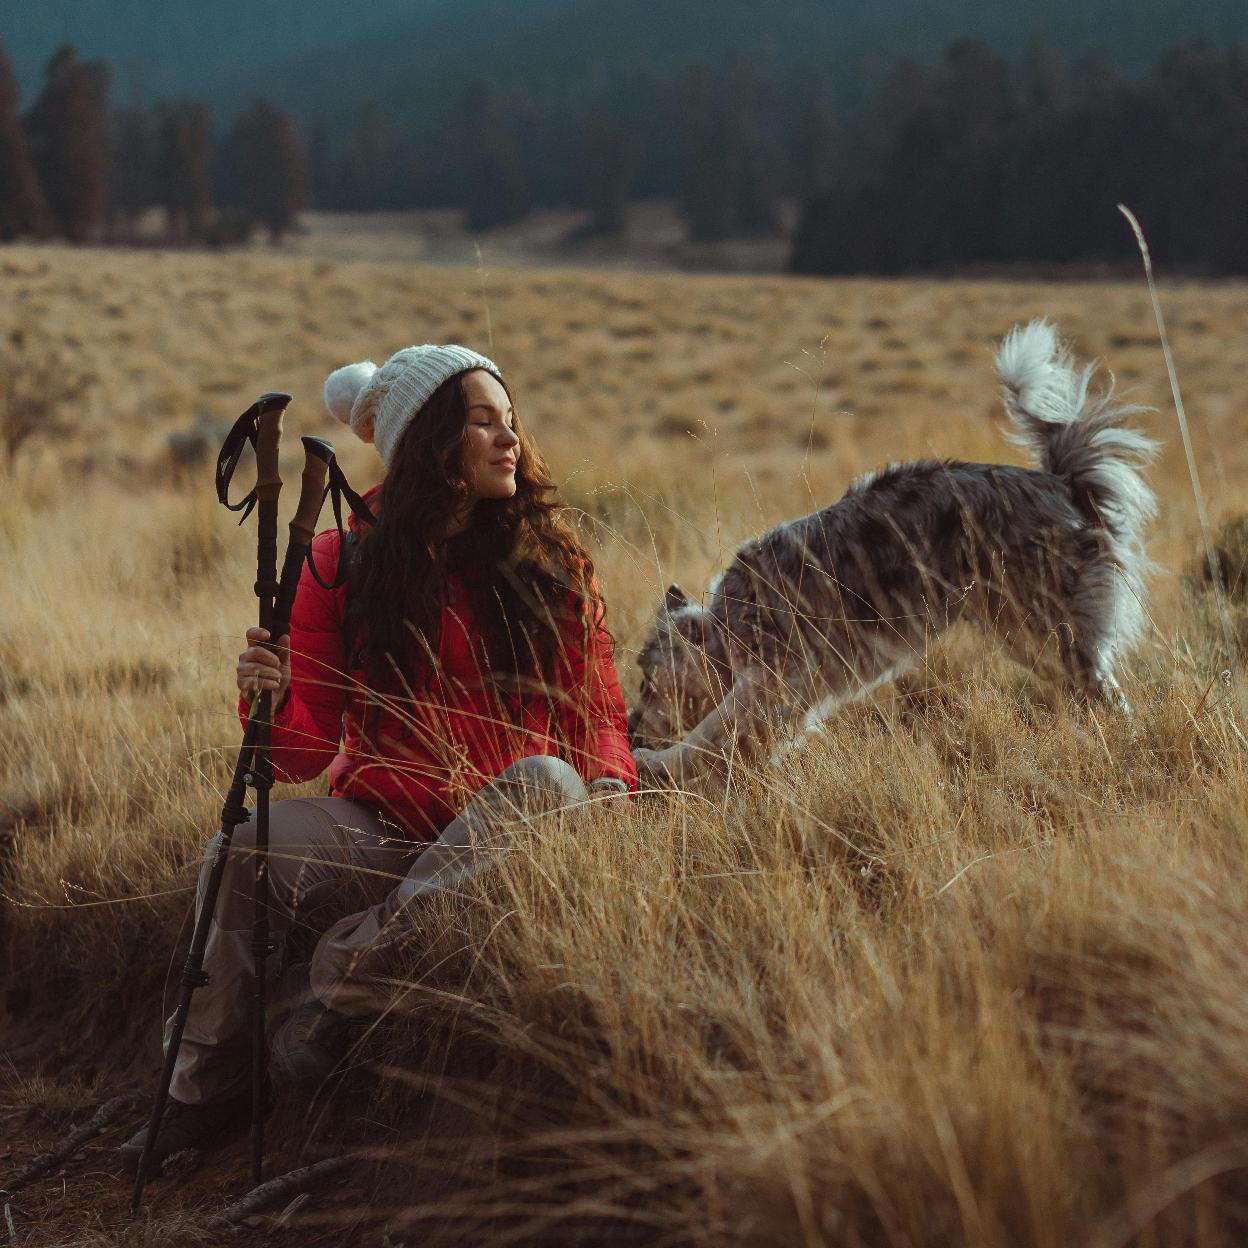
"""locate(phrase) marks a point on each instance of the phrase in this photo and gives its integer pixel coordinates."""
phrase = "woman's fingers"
(265, 658)
(260, 668)
(262, 654)
(256, 636)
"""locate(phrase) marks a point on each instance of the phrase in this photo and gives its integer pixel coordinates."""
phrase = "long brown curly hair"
(523, 567)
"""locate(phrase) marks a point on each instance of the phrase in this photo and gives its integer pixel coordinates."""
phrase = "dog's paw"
(657, 769)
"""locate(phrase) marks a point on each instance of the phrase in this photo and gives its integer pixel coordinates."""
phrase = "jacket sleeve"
(593, 715)
(307, 729)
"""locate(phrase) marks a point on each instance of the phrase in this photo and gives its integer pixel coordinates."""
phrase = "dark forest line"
(972, 160)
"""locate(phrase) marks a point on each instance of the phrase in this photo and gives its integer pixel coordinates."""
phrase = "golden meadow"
(969, 969)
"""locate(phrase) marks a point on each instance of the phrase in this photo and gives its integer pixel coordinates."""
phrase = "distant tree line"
(971, 161)
(72, 167)
(974, 162)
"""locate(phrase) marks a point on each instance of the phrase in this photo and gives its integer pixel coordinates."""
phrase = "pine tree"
(364, 160)
(134, 160)
(1042, 76)
(1195, 123)
(183, 181)
(268, 167)
(1095, 77)
(612, 155)
(379, 168)
(706, 199)
(22, 207)
(321, 183)
(906, 91)
(816, 146)
(747, 100)
(976, 95)
(496, 190)
(67, 129)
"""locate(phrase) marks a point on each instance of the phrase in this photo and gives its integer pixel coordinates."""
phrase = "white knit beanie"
(378, 403)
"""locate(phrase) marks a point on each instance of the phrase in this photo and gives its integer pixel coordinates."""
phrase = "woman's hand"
(260, 669)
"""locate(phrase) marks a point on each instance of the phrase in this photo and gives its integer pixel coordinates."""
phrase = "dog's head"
(680, 682)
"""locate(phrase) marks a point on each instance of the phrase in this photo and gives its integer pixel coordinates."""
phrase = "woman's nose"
(507, 438)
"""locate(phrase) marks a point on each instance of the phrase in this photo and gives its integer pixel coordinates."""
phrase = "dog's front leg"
(741, 721)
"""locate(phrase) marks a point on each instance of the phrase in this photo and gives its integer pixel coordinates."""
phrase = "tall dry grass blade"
(1210, 553)
(1162, 1190)
(485, 299)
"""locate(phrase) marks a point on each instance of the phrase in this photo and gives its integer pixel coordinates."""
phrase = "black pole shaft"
(261, 424)
(232, 814)
(262, 781)
(261, 946)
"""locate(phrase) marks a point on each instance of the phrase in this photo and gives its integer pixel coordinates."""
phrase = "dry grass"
(967, 970)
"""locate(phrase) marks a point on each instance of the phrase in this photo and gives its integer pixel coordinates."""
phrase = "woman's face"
(491, 448)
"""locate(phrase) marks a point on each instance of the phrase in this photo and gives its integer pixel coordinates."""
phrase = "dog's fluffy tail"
(1077, 434)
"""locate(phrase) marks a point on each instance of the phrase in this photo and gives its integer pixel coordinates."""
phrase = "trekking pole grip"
(268, 440)
(317, 454)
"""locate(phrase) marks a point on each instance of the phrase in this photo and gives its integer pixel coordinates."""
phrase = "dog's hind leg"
(1111, 692)
(1090, 676)
(851, 687)
(854, 689)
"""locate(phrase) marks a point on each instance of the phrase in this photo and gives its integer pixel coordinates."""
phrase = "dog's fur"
(826, 607)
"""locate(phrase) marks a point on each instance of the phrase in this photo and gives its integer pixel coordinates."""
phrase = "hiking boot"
(188, 1126)
(309, 1045)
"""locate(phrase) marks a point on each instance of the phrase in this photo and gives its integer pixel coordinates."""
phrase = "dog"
(825, 608)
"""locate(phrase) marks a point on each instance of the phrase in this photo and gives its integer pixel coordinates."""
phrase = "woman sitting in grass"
(467, 673)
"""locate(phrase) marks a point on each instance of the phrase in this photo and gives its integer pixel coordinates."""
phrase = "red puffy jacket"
(420, 758)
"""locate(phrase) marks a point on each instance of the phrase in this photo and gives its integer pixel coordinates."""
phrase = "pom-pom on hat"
(378, 403)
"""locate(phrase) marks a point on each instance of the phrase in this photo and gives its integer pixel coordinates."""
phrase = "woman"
(465, 667)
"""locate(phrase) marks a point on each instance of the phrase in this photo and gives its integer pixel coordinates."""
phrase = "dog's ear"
(674, 599)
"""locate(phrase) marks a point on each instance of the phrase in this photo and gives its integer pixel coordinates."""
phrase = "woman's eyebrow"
(489, 407)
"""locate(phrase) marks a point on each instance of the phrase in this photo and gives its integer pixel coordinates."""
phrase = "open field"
(969, 970)
(654, 237)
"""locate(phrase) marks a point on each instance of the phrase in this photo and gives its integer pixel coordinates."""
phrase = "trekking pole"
(260, 425)
(260, 777)
(320, 462)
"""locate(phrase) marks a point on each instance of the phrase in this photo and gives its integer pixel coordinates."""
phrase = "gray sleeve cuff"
(608, 784)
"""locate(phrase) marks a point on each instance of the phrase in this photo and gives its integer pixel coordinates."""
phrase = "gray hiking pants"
(330, 860)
